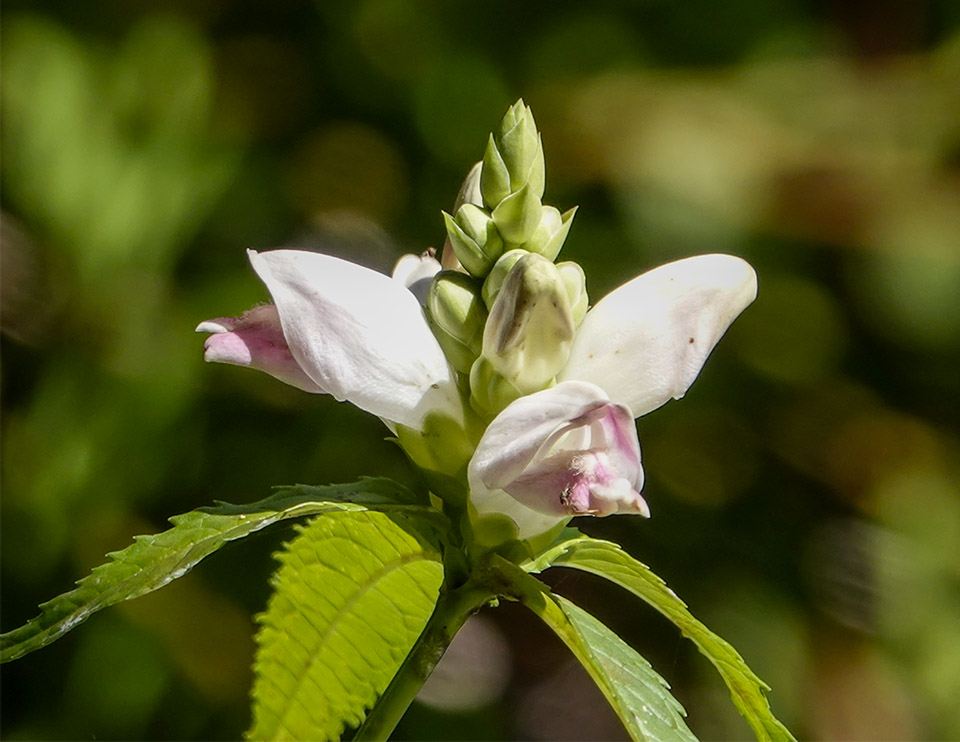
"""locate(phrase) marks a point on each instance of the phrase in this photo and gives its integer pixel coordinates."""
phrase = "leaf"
(640, 697)
(608, 560)
(352, 595)
(153, 561)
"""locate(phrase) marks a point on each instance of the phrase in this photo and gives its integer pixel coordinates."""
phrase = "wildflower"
(338, 328)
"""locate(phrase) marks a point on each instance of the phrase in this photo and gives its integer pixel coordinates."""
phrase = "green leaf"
(608, 560)
(352, 595)
(640, 697)
(153, 561)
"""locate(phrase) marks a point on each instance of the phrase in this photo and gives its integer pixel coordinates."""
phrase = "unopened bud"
(474, 238)
(575, 282)
(514, 157)
(470, 189)
(457, 316)
(550, 234)
(469, 194)
(518, 215)
(530, 329)
(498, 274)
(490, 392)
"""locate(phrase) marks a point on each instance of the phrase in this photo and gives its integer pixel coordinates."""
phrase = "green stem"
(452, 610)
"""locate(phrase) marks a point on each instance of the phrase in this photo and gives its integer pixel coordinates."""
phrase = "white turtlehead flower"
(561, 452)
(572, 449)
(338, 328)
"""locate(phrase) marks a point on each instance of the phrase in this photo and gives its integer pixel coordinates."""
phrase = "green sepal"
(494, 176)
(551, 233)
(442, 450)
(518, 215)
(475, 239)
(518, 142)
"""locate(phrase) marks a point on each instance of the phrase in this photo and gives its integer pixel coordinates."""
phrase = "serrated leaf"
(608, 560)
(153, 561)
(352, 595)
(639, 696)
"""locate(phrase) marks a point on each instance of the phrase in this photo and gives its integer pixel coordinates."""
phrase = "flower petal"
(518, 433)
(359, 335)
(416, 272)
(561, 452)
(645, 342)
(255, 340)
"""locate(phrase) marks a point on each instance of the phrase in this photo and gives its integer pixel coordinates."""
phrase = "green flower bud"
(530, 329)
(469, 194)
(514, 157)
(497, 275)
(575, 282)
(470, 189)
(457, 316)
(474, 238)
(490, 392)
(518, 215)
(494, 176)
(550, 234)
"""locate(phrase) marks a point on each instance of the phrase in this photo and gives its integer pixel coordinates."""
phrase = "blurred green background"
(806, 493)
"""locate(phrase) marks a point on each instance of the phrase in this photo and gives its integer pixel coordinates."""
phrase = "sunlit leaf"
(352, 595)
(640, 697)
(608, 560)
(153, 561)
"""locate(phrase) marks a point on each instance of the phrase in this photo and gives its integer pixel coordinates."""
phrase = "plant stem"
(452, 610)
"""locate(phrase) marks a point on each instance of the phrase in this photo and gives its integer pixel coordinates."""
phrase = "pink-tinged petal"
(416, 272)
(558, 453)
(645, 342)
(255, 340)
(519, 432)
(359, 335)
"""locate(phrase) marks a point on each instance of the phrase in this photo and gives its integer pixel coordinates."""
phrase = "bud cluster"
(503, 311)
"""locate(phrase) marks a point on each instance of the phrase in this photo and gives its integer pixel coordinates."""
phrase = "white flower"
(341, 329)
(557, 453)
(568, 450)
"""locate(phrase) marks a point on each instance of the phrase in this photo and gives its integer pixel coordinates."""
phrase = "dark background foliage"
(805, 493)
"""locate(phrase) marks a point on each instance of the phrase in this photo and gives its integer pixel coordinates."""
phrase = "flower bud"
(575, 282)
(530, 329)
(470, 188)
(469, 194)
(514, 157)
(490, 392)
(497, 275)
(550, 234)
(518, 215)
(457, 316)
(474, 238)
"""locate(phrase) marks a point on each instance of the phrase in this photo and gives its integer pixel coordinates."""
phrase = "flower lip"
(561, 452)
(255, 340)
